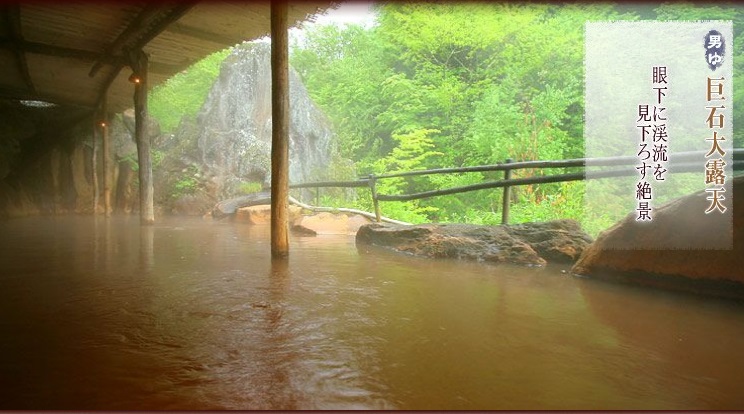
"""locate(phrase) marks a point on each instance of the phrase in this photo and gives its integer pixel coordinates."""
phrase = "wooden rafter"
(157, 68)
(153, 19)
(107, 83)
(163, 21)
(24, 46)
(195, 33)
(137, 34)
(13, 16)
(140, 22)
(60, 41)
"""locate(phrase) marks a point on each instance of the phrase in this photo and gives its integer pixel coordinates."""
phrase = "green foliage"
(184, 184)
(184, 94)
(131, 159)
(343, 69)
(249, 187)
(456, 207)
(454, 84)
(157, 157)
(565, 202)
(413, 151)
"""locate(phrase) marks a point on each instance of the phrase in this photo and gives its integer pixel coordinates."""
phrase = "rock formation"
(717, 272)
(261, 214)
(45, 161)
(527, 244)
(228, 145)
(329, 223)
(235, 122)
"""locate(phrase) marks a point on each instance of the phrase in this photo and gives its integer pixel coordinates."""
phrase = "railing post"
(317, 196)
(375, 202)
(505, 200)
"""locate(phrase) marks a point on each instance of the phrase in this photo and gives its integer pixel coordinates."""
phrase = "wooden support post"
(279, 130)
(139, 65)
(107, 176)
(375, 201)
(505, 200)
(94, 163)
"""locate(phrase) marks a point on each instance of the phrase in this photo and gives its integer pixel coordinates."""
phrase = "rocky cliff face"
(45, 162)
(229, 144)
(45, 159)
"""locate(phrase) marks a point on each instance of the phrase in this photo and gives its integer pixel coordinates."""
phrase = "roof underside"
(72, 53)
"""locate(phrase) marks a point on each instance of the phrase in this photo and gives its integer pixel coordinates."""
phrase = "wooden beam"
(153, 19)
(107, 83)
(120, 44)
(24, 46)
(163, 21)
(139, 23)
(159, 68)
(142, 138)
(279, 130)
(13, 16)
(199, 34)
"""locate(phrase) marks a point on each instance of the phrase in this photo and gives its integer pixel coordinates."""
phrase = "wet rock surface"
(230, 206)
(330, 223)
(714, 272)
(261, 214)
(526, 244)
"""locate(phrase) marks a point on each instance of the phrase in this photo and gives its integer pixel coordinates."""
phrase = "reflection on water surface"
(194, 315)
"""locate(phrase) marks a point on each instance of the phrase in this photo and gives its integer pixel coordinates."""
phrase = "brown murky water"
(100, 314)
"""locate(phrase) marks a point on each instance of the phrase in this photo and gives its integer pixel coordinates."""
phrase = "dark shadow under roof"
(71, 53)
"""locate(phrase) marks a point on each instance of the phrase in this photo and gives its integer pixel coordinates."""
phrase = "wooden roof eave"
(73, 55)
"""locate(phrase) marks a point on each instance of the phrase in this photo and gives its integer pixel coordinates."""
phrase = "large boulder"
(229, 207)
(261, 214)
(717, 272)
(224, 151)
(526, 244)
(331, 223)
(233, 128)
